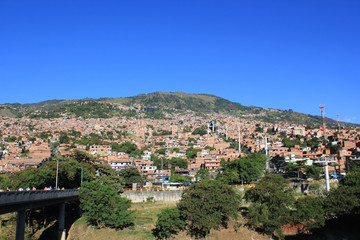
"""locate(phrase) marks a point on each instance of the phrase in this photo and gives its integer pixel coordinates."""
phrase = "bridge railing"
(18, 197)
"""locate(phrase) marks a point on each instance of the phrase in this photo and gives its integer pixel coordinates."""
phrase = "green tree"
(4, 181)
(158, 162)
(354, 166)
(290, 143)
(103, 207)
(131, 175)
(75, 133)
(45, 176)
(11, 139)
(64, 138)
(126, 147)
(293, 169)
(271, 204)
(161, 151)
(202, 174)
(181, 163)
(228, 176)
(201, 131)
(168, 224)
(345, 199)
(208, 205)
(313, 172)
(309, 212)
(180, 179)
(352, 179)
(249, 168)
(81, 156)
(192, 152)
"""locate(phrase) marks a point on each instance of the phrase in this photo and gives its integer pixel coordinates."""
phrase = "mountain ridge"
(159, 101)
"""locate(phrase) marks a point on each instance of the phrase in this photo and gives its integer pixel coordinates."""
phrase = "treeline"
(100, 199)
(272, 203)
(84, 109)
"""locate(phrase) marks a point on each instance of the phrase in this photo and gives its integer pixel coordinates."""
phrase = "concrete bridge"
(21, 201)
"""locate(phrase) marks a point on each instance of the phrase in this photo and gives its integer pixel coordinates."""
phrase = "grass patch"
(145, 218)
(80, 221)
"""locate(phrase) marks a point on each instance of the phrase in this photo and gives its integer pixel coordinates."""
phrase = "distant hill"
(158, 102)
(203, 103)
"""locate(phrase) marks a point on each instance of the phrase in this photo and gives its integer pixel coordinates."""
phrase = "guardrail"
(18, 197)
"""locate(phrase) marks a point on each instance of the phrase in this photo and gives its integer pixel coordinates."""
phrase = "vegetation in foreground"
(206, 206)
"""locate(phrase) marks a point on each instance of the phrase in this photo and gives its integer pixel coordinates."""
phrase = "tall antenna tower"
(323, 119)
(338, 123)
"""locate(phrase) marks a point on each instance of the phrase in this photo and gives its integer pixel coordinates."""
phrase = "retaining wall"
(164, 196)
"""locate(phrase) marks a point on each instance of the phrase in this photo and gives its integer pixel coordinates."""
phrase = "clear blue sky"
(276, 54)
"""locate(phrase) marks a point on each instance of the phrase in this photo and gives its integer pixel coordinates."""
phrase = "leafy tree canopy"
(271, 204)
(103, 207)
(248, 168)
(168, 224)
(192, 152)
(309, 212)
(202, 174)
(201, 131)
(131, 175)
(180, 178)
(45, 176)
(208, 205)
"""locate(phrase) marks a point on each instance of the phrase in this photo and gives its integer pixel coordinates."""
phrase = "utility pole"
(266, 153)
(338, 123)
(162, 173)
(57, 173)
(327, 175)
(226, 130)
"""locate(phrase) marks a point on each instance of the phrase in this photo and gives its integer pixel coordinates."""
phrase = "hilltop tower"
(323, 119)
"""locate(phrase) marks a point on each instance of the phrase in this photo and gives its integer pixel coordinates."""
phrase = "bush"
(169, 223)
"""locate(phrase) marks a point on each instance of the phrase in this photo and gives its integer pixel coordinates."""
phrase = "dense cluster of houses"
(30, 142)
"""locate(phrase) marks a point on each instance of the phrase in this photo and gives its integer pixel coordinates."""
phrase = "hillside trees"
(168, 224)
(131, 175)
(204, 206)
(248, 168)
(309, 212)
(271, 204)
(45, 176)
(201, 131)
(192, 152)
(103, 207)
(345, 199)
(208, 205)
(180, 178)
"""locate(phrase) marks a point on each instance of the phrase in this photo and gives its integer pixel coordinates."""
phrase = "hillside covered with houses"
(179, 143)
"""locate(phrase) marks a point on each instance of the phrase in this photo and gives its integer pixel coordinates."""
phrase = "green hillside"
(182, 101)
(159, 102)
